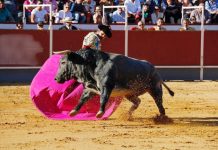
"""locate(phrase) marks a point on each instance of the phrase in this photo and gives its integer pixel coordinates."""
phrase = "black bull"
(112, 75)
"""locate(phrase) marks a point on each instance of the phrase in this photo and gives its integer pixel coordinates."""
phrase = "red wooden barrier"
(31, 48)
(166, 48)
(211, 48)
(23, 48)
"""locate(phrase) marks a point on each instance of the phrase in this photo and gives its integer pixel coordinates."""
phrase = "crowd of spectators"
(90, 11)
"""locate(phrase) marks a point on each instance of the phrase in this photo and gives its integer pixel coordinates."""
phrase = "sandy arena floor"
(193, 109)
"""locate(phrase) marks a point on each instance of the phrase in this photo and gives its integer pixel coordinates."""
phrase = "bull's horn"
(62, 52)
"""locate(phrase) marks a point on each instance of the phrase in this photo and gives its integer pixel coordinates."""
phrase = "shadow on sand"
(206, 121)
(160, 120)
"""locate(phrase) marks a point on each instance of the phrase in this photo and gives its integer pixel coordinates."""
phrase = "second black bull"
(111, 75)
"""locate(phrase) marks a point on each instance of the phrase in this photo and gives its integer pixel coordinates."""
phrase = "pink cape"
(56, 100)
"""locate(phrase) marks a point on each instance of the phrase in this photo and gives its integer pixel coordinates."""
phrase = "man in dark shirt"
(68, 25)
(5, 15)
(79, 12)
(173, 12)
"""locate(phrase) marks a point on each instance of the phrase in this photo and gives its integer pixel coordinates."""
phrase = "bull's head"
(68, 67)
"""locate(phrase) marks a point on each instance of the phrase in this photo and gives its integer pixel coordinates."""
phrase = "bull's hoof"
(162, 119)
(99, 114)
(73, 113)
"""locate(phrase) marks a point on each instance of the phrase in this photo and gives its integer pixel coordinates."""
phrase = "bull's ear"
(75, 58)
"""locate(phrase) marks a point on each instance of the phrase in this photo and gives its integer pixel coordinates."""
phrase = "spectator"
(61, 3)
(90, 9)
(97, 17)
(11, 5)
(79, 12)
(40, 25)
(185, 26)
(108, 12)
(147, 13)
(5, 15)
(187, 12)
(62, 14)
(156, 14)
(39, 14)
(116, 2)
(28, 9)
(19, 9)
(54, 6)
(197, 2)
(212, 7)
(93, 39)
(19, 25)
(106, 3)
(68, 25)
(196, 15)
(118, 16)
(140, 27)
(159, 26)
(173, 12)
(134, 10)
(153, 3)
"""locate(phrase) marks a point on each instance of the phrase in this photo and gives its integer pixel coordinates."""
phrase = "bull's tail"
(168, 89)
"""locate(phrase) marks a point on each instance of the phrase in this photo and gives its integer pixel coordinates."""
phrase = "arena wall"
(30, 48)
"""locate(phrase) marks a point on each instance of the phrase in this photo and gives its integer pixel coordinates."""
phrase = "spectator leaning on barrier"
(185, 26)
(212, 7)
(39, 14)
(40, 25)
(93, 39)
(68, 25)
(134, 10)
(5, 15)
(196, 15)
(159, 26)
(19, 25)
(140, 27)
(63, 13)
(118, 15)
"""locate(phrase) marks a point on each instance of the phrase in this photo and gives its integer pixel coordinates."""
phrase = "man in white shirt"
(133, 9)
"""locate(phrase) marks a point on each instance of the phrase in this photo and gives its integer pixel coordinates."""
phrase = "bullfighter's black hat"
(106, 29)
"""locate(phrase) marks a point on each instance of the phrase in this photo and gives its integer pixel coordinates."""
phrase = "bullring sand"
(193, 111)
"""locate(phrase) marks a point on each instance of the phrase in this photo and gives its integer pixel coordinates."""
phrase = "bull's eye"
(63, 63)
